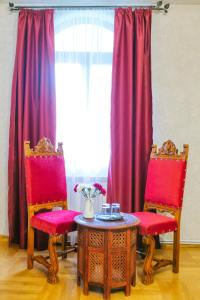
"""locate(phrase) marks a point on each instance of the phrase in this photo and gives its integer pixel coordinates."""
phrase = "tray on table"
(109, 217)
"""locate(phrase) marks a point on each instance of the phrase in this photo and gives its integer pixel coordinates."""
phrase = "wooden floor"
(18, 283)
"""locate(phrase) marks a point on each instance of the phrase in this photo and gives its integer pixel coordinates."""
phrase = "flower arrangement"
(89, 191)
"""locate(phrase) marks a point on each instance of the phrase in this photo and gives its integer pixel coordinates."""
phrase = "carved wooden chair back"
(45, 176)
(166, 179)
(46, 189)
(163, 193)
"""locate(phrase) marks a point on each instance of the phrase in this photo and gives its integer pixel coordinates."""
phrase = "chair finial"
(44, 145)
(43, 148)
(168, 148)
(169, 151)
(60, 148)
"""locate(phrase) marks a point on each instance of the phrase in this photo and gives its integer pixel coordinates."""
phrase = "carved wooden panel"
(119, 266)
(96, 239)
(96, 267)
(119, 239)
(133, 237)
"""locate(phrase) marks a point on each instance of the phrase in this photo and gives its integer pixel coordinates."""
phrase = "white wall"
(8, 28)
(176, 96)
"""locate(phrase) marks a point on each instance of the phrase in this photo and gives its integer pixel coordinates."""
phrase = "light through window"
(84, 44)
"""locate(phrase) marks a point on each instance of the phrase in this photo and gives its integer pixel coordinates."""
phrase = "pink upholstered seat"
(153, 224)
(55, 222)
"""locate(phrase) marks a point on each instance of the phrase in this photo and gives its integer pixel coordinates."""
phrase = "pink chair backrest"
(165, 182)
(45, 179)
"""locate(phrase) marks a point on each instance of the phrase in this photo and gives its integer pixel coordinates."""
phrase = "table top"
(127, 221)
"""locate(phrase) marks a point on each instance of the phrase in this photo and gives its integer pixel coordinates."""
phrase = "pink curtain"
(131, 108)
(33, 107)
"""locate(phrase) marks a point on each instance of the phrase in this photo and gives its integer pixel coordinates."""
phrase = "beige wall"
(176, 98)
(8, 25)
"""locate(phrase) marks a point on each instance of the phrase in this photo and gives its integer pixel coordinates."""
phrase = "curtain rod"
(160, 6)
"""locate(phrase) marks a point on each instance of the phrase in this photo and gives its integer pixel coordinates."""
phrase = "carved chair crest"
(44, 147)
(169, 150)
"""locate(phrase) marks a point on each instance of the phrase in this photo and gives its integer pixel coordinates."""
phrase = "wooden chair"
(46, 189)
(164, 193)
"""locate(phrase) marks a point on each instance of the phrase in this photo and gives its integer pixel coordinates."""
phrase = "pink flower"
(97, 186)
(100, 188)
(103, 191)
(75, 188)
(89, 190)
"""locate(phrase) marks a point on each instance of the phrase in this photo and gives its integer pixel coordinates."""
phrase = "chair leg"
(176, 251)
(30, 250)
(64, 242)
(147, 268)
(53, 268)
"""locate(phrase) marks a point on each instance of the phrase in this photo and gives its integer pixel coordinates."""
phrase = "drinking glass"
(106, 209)
(115, 208)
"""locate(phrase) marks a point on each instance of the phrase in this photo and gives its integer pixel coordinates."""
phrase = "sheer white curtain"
(84, 45)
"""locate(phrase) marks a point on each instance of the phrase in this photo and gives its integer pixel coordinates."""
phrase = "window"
(84, 45)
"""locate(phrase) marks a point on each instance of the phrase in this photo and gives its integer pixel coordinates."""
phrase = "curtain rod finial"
(161, 6)
(11, 4)
(159, 3)
(166, 6)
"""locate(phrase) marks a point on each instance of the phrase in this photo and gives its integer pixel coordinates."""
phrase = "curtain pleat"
(131, 108)
(33, 107)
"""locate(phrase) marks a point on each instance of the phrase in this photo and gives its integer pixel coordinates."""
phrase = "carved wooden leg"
(176, 251)
(106, 294)
(30, 248)
(133, 282)
(53, 268)
(85, 287)
(128, 289)
(64, 243)
(147, 268)
(78, 280)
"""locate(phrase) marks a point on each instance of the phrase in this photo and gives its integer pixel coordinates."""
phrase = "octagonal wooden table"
(107, 253)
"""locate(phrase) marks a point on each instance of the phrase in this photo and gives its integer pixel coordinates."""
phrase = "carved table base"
(106, 254)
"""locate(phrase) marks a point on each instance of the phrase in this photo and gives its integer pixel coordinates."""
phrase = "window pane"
(88, 40)
(84, 45)
(83, 118)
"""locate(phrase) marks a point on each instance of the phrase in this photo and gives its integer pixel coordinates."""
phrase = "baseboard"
(183, 242)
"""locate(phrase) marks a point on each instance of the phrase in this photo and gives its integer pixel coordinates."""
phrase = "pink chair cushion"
(45, 179)
(153, 224)
(165, 182)
(59, 221)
